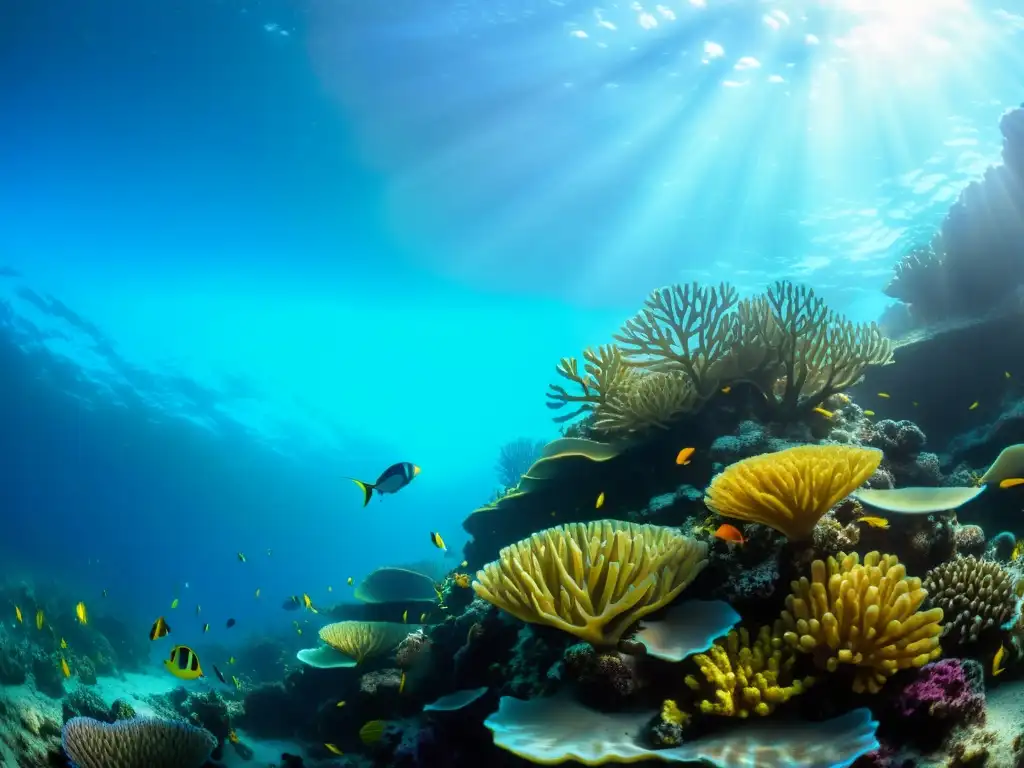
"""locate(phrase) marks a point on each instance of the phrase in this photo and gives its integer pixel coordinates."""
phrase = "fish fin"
(366, 488)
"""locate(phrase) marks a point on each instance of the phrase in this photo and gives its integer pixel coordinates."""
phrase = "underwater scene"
(461, 383)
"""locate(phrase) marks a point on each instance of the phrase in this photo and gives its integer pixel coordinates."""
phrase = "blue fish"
(391, 480)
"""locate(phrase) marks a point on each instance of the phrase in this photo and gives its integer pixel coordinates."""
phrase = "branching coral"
(689, 339)
(363, 639)
(975, 595)
(791, 490)
(593, 581)
(743, 678)
(864, 614)
(685, 328)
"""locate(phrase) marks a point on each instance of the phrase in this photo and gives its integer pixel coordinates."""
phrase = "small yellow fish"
(874, 522)
(183, 663)
(159, 629)
(423, 618)
(231, 660)
(823, 412)
(884, 395)
(308, 603)
(237, 682)
(257, 591)
(350, 581)
(401, 683)
(683, 457)
(600, 500)
(974, 405)
(372, 731)
(333, 748)
(64, 667)
(1007, 374)
(843, 398)
(1011, 482)
(232, 737)
(437, 541)
(17, 615)
(39, 619)
(997, 661)
(174, 603)
(464, 564)
(461, 580)
(299, 630)
(206, 627)
(81, 613)
(340, 704)
(726, 390)
(63, 644)
(405, 616)
(241, 557)
(1018, 550)
(869, 413)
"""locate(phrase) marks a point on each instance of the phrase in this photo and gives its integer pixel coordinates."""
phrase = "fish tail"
(366, 488)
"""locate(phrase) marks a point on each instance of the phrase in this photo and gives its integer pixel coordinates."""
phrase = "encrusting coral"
(863, 614)
(791, 490)
(974, 595)
(743, 678)
(362, 639)
(592, 580)
(147, 741)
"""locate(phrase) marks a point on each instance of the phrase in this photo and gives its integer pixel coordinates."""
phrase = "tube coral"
(863, 614)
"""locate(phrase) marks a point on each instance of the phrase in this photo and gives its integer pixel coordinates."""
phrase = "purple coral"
(951, 690)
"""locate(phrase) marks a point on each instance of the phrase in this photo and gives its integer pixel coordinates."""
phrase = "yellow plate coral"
(592, 580)
(790, 490)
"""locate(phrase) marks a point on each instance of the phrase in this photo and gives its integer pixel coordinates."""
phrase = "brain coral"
(592, 580)
(141, 741)
(975, 595)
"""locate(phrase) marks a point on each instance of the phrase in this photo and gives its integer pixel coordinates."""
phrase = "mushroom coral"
(592, 580)
(791, 490)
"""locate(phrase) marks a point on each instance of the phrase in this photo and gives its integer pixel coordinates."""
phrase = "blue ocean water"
(252, 248)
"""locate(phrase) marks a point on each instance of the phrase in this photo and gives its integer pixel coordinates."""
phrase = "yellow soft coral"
(746, 678)
(592, 580)
(791, 490)
(363, 639)
(865, 614)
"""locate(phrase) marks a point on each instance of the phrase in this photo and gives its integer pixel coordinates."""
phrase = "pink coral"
(951, 690)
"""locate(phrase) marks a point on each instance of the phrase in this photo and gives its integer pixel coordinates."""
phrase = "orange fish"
(683, 457)
(1011, 482)
(730, 533)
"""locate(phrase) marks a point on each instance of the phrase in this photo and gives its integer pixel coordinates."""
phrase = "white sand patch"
(134, 688)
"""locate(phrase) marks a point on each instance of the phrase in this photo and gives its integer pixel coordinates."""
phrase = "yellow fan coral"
(865, 614)
(745, 678)
(363, 639)
(592, 580)
(790, 490)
